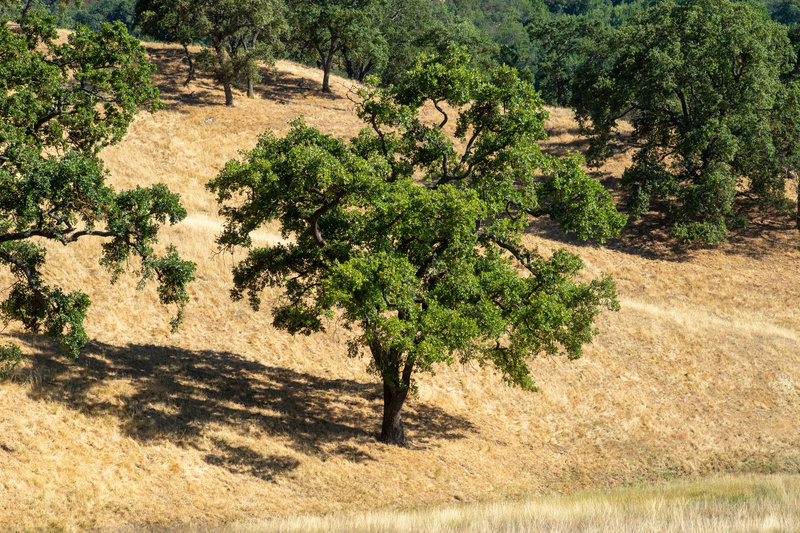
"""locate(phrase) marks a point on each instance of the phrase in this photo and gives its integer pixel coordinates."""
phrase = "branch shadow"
(767, 230)
(285, 85)
(186, 397)
(647, 238)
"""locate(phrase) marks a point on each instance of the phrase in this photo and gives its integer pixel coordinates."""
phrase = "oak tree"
(709, 90)
(325, 29)
(240, 34)
(60, 104)
(414, 239)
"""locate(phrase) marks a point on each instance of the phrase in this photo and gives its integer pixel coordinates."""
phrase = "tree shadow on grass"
(767, 230)
(650, 238)
(171, 71)
(204, 90)
(190, 398)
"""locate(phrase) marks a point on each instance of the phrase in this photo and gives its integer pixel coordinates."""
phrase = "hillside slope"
(230, 418)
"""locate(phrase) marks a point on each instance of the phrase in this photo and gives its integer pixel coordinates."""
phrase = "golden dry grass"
(230, 419)
(718, 505)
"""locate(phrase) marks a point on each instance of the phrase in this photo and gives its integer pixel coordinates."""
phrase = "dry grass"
(231, 419)
(723, 505)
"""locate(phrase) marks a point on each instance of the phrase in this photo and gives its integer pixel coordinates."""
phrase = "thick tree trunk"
(228, 93)
(251, 92)
(392, 431)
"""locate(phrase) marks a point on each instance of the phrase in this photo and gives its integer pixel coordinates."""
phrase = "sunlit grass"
(722, 504)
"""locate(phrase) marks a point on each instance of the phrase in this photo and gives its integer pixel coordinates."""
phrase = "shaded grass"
(176, 395)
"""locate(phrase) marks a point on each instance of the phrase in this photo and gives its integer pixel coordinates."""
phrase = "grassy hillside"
(230, 419)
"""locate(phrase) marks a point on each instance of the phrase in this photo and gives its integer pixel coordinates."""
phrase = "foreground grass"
(722, 504)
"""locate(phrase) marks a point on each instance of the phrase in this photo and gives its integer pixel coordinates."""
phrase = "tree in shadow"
(649, 237)
(169, 77)
(205, 91)
(176, 395)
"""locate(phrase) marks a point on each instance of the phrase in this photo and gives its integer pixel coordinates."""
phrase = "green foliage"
(322, 30)
(94, 14)
(60, 104)
(545, 38)
(239, 34)
(784, 11)
(10, 357)
(381, 37)
(708, 86)
(564, 44)
(417, 243)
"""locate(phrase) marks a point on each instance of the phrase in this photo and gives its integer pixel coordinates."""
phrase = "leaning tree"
(711, 91)
(414, 238)
(60, 104)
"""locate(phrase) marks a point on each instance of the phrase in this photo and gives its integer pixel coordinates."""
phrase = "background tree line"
(700, 158)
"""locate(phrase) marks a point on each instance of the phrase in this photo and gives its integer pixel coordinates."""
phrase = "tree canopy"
(60, 105)
(415, 240)
(240, 34)
(325, 29)
(709, 88)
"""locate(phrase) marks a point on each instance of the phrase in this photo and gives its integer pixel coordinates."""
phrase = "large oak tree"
(415, 240)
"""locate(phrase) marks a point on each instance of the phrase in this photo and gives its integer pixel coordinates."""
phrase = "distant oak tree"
(414, 240)
(710, 87)
(323, 30)
(60, 104)
(240, 34)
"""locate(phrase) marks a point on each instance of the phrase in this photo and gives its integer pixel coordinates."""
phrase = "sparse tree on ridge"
(415, 243)
(711, 90)
(60, 104)
(173, 21)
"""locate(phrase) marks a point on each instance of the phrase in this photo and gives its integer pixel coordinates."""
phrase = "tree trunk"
(228, 93)
(251, 92)
(327, 65)
(392, 431)
(326, 87)
(24, 14)
(190, 76)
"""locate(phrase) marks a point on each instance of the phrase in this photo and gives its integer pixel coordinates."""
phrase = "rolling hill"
(231, 419)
